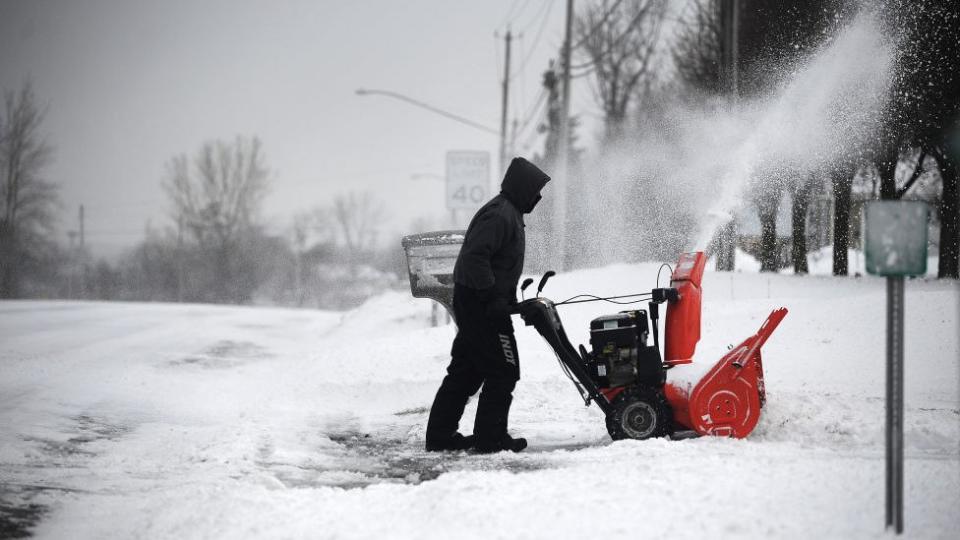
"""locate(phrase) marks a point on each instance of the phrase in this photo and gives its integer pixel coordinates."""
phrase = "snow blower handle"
(523, 287)
(543, 280)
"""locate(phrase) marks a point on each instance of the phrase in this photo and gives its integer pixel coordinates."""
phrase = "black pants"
(484, 354)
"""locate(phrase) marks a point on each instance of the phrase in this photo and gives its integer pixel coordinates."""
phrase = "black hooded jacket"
(491, 258)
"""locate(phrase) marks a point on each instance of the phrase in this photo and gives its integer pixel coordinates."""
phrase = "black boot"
(493, 413)
(450, 443)
(461, 382)
(505, 443)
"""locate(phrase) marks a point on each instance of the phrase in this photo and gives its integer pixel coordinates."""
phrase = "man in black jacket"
(484, 352)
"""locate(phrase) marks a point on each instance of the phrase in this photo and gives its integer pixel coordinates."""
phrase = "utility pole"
(81, 259)
(81, 227)
(504, 106)
(730, 28)
(180, 258)
(73, 238)
(561, 177)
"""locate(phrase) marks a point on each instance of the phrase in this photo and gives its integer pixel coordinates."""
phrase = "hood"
(522, 184)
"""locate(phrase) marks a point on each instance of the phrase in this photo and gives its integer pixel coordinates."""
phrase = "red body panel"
(677, 398)
(727, 400)
(682, 326)
(611, 393)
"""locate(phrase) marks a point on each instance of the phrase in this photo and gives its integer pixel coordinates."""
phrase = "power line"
(496, 54)
(543, 14)
(519, 93)
(96, 232)
(528, 142)
(598, 25)
(509, 14)
(125, 204)
(536, 39)
(534, 111)
(615, 42)
(536, 16)
(590, 33)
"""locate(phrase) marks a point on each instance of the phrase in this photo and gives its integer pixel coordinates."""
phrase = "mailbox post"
(895, 246)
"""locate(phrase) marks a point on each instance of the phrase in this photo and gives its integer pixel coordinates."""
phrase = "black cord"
(566, 371)
(597, 298)
(660, 270)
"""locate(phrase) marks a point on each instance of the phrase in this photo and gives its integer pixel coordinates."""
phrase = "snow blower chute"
(642, 393)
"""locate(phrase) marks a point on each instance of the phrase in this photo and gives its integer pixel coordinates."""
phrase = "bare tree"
(222, 194)
(800, 192)
(29, 201)
(358, 217)
(216, 197)
(310, 232)
(841, 178)
(697, 46)
(619, 41)
(766, 195)
(949, 266)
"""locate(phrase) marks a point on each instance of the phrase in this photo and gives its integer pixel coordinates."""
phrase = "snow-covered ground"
(190, 421)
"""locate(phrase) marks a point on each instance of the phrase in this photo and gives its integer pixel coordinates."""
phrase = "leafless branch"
(619, 44)
(222, 193)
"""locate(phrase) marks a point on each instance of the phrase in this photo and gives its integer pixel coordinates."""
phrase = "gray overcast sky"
(129, 84)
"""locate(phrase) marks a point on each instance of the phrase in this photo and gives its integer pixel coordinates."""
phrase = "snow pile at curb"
(131, 420)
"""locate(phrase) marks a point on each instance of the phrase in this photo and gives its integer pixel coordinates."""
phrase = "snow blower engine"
(642, 393)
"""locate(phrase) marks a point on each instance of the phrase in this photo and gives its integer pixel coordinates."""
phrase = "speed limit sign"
(468, 179)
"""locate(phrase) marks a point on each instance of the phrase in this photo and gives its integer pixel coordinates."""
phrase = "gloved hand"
(498, 308)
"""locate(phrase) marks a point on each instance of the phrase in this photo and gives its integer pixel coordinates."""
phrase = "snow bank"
(134, 420)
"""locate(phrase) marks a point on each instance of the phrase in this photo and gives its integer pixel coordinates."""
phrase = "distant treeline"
(216, 250)
(626, 199)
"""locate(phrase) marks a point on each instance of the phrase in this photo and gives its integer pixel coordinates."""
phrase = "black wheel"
(639, 412)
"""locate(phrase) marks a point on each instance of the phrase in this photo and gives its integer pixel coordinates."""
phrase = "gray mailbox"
(430, 260)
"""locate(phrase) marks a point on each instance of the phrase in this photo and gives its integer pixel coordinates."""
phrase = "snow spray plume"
(692, 164)
(825, 112)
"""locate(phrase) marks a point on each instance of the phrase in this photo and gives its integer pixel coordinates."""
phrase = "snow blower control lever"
(543, 281)
(628, 379)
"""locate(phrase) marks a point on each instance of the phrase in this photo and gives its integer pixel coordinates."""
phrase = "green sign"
(896, 238)
(953, 145)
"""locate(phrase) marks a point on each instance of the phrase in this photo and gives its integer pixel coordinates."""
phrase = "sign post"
(468, 179)
(895, 246)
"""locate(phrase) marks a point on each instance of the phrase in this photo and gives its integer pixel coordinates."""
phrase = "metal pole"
(81, 268)
(560, 182)
(894, 431)
(735, 48)
(180, 260)
(504, 106)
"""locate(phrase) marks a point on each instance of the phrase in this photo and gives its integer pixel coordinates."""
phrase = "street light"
(401, 97)
(461, 154)
(430, 176)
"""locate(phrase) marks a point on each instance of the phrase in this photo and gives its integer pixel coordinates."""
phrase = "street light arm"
(401, 97)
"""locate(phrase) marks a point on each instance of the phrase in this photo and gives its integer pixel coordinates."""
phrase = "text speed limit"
(468, 179)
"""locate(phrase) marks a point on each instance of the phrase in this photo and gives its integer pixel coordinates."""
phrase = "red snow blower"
(642, 394)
